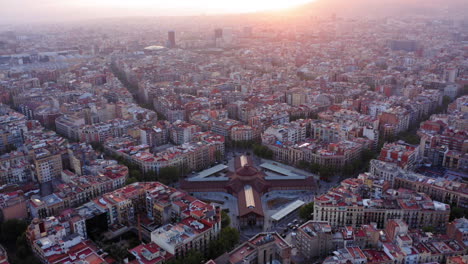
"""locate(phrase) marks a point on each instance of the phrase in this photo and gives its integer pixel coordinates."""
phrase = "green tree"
(225, 219)
(262, 151)
(325, 172)
(131, 180)
(215, 249)
(21, 251)
(306, 211)
(458, 212)
(368, 154)
(314, 167)
(227, 240)
(229, 237)
(428, 229)
(13, 237)
(218, 155)
(136, 174)
(11, 230)
(97, 146)
(192, 257)
(464, 90)
(151, 176)
(169, 175)
(409, 137)
(446, 100)
(10, 148)
(303, 165)
(348, 169)
(297, 117)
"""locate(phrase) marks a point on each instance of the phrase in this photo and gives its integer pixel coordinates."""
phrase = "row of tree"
(243, 144)
(166, 175)
(297, 117)
(123, 79)
(325, 172)
(348, 170)
(133, 89)
(306, 211)
(457, 212)
(262, 151)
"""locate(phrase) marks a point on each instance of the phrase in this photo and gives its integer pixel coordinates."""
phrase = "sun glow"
(222, 6)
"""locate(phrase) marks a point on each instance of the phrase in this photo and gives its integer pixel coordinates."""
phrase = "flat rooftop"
(207, 174)
(283, 173)
(287, 210)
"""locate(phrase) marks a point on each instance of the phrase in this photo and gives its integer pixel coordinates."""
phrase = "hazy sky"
(55, 10)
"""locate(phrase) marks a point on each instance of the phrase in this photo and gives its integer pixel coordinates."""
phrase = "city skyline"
(54, 11)
(70, 10)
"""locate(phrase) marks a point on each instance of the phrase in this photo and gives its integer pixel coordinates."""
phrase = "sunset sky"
(56, 10)
(217, 5)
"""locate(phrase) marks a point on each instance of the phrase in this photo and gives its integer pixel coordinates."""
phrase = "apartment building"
(262, 248)
(315, 239)
(346, 206)
(404, 155)
(48, 165)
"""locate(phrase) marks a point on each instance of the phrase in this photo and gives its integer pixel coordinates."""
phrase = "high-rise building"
(218, 33)
(171, 43)
(48, 165)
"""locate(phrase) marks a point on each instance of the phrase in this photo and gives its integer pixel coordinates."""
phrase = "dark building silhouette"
(406, 45)
(218, 33)
(171, 39)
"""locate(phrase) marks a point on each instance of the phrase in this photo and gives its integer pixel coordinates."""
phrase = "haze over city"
(60, 10)
(26, 11)
(234, 132)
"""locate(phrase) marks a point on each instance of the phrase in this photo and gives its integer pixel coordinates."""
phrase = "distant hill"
(378, 8)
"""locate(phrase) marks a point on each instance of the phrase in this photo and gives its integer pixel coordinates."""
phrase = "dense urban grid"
(198, 140)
